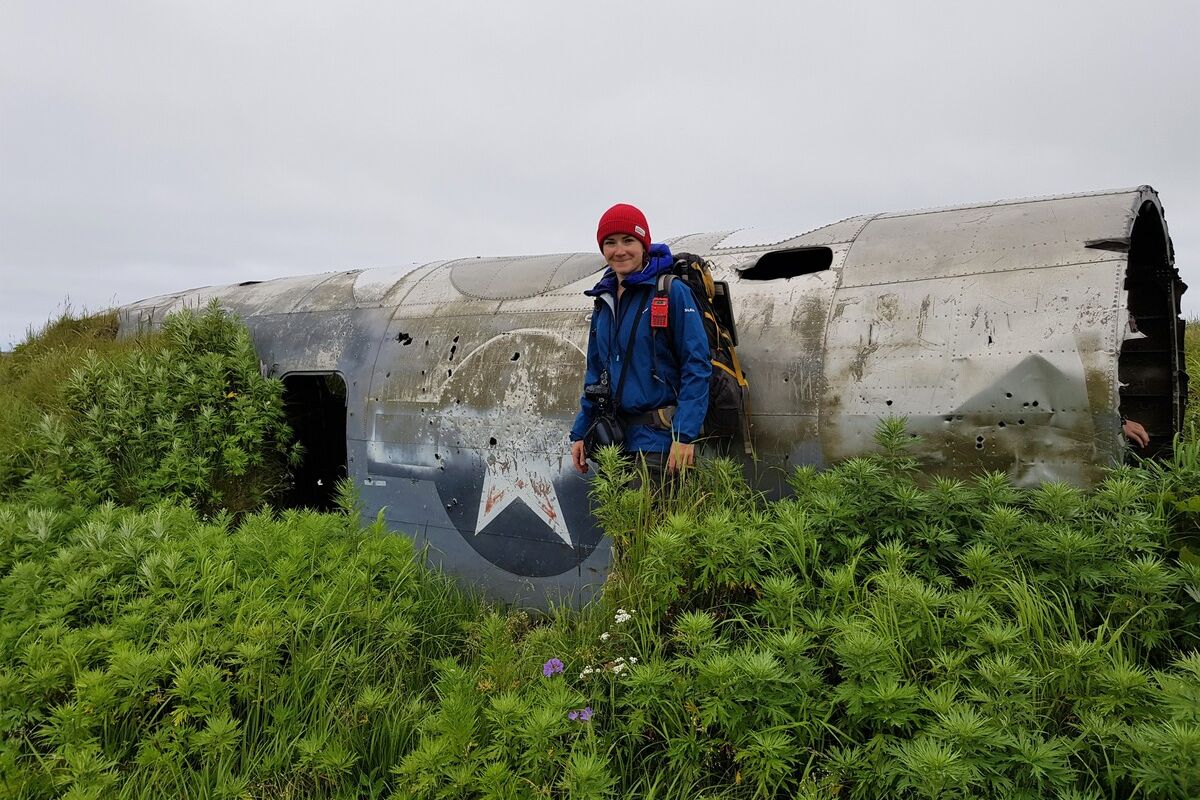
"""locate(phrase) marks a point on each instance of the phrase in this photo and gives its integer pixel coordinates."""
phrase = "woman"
(665, 396)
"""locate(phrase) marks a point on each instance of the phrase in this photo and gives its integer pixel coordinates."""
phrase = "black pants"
(661, 481)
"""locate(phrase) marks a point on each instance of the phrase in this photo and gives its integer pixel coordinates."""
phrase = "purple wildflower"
(586, 714)
(573, 715)
(552, 667)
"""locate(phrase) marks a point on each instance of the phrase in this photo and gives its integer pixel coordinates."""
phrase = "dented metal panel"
(1001, 331)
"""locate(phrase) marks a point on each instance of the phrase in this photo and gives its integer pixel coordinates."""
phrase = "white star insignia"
(531, 481)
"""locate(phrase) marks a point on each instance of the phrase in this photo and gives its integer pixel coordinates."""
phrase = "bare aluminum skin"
(996, 329)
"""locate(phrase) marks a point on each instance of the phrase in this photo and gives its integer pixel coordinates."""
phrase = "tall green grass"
(870, 637)
(150, 654)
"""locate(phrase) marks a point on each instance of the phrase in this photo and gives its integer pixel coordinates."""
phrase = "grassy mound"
(182, 415)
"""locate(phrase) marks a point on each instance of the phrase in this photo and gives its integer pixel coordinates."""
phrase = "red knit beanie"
(623, 218)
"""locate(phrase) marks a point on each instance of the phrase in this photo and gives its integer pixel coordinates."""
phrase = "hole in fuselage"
(315, 405)
(783, 264)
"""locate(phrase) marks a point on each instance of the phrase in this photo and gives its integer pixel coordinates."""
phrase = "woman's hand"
(1135, 433)
(578, 458)
(682, 456)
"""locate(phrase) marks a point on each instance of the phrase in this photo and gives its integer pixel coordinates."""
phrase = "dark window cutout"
(315, 405)
(789, 264)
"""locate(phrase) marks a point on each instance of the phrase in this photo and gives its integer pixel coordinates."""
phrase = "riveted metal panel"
(372, 286)
(987, 239)
(334, 294)
(511, 278)
(1013, 371)
(756, 239)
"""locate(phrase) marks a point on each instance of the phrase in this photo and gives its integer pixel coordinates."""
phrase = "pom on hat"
(623, 218)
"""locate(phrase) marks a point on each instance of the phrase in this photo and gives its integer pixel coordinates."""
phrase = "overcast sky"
(148, 147)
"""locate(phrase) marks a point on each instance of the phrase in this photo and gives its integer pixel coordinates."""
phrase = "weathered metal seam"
(822, 395)
(434, 267)
(316, 286)
(980, 251)
(768, 246)
(554, 273)
(759, 250)
(987, 272)
(939, 357)
(1016, 201)
(430, 267)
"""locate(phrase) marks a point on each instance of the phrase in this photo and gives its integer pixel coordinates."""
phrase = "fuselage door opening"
(315, 404)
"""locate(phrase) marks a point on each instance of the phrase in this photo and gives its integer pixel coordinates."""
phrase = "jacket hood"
(660, 262)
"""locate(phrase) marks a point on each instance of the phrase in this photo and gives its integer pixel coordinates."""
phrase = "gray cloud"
(148, 147)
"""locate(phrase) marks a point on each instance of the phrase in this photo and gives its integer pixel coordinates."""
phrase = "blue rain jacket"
(678, 355)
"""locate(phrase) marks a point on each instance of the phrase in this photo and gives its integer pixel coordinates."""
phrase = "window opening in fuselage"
(315, 404)
(783, 264)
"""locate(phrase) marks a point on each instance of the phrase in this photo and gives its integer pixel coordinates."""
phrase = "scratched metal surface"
(993, 328)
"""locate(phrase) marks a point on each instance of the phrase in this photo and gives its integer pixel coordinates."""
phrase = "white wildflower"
(604, 636)
(633, 659)
(623, 616)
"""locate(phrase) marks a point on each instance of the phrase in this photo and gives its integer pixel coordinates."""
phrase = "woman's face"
(623, 253)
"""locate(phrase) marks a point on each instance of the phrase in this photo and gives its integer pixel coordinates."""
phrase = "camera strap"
(628, 354)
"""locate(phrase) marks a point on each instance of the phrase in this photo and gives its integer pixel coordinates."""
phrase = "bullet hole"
(404, 339)
(455, 340)
(948, 419)
(437, 456)
(449, 372)
(1035, 402)
(785, 380)
(979, 439)
(979, 445)
(1002, 424)
(989, 340)
(427, 343)
(422, 372)
(1025, 405)
(1008, 394)
(515, 356)
(1020, 422)
(388, 375)
(889, 402)
(492, 442)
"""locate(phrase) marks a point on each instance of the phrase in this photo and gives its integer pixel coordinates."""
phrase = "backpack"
(728, 389)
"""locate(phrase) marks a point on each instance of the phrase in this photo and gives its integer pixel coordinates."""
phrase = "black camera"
(605, 429)
(600, 395)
